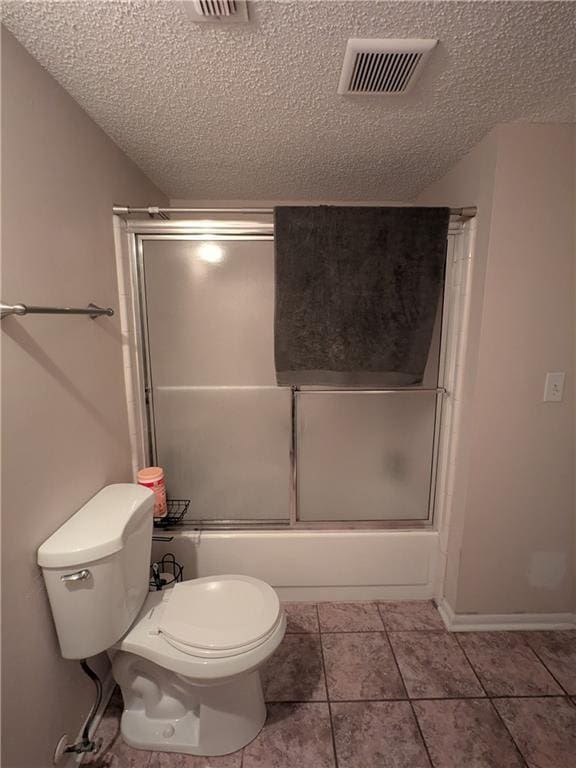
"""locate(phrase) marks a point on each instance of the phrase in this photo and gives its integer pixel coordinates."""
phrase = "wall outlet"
(554, 387)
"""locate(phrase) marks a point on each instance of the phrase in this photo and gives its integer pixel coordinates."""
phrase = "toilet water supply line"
(86, 744)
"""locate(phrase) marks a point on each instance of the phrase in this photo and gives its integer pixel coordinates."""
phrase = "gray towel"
(357, 291)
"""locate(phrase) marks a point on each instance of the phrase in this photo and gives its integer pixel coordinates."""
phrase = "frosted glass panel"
(364, 456)
(210, 308)
(226, 449)
(222, 428)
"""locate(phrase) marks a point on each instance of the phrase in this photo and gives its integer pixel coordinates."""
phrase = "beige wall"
(65, 431)
(470, 182)
(512, 533)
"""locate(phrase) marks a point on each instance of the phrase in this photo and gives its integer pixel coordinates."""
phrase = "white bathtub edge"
(317, 565)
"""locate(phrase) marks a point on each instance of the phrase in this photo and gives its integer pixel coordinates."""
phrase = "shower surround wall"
(510, 544)
(65, 432)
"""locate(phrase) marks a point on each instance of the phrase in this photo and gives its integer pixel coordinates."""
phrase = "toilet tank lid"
(98, 528)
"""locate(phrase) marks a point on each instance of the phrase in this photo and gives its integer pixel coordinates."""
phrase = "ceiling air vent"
(228, 11)
(385, 67)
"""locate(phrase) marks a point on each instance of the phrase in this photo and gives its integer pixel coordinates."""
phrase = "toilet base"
(165, 712)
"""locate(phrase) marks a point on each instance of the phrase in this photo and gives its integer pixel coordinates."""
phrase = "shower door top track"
(464, 212)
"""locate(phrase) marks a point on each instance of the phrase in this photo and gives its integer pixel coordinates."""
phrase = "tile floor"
(384, 685)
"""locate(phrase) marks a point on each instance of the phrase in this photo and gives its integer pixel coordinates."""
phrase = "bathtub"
(315, 565)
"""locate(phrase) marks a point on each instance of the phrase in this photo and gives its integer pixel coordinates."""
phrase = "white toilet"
(186, 658)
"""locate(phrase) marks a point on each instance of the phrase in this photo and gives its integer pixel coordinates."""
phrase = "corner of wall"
(470, 182)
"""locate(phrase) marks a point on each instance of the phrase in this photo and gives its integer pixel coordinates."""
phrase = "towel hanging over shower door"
(357, 291)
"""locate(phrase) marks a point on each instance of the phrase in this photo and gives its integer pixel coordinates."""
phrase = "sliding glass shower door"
(242, 449)
(222, 429)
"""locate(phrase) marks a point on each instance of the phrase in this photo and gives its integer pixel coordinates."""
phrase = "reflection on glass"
(211, 253)
(210, 326)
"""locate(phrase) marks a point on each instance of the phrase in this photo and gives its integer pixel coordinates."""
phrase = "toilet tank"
(96, 568)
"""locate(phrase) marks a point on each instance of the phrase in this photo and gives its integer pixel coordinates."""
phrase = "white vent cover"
(228, 11)
(382, 66)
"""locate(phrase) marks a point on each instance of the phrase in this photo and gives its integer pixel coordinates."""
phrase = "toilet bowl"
(188, 666)
(186, 658)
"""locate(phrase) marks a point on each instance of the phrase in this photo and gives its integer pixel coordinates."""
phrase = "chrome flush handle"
(78, 576)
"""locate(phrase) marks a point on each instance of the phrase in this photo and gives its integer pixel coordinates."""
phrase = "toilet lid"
(220, 612)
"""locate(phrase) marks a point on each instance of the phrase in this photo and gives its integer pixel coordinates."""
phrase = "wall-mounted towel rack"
(92, 310)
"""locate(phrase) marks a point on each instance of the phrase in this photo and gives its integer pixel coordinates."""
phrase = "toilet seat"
(201, 666)
(207, 654)
(216, 617)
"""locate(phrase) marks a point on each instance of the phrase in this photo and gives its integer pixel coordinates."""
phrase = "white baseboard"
(484, 622)
(108, 685)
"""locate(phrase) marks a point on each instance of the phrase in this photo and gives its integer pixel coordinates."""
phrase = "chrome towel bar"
(92, 310)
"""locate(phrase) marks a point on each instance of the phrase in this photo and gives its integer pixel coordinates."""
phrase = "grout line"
(353, 632)
(472, 667)
(527, 697)
(415, 716)
(477, 697)
(442, 631)
(339, 632)
(381, 618)
(546, 667)
(552, 675)
(491, 702)
(332, 733)
(409, 700)
(367, 631)
(378, 604)
(509, 732)
(397, 665)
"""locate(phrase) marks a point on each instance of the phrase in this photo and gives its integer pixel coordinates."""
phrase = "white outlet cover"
(554, 387)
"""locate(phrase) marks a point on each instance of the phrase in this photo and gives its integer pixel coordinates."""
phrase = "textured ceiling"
(251, 111)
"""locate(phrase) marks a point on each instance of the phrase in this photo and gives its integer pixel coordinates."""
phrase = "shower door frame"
(177, 230)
